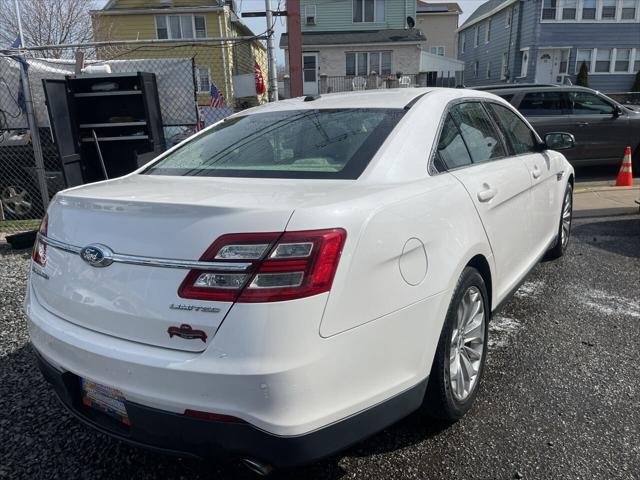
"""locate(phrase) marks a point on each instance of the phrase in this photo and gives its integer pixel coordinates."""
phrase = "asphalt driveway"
(560, 397)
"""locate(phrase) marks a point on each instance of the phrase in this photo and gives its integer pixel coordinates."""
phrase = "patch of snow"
(501, 331)
(609, 304)
(529, 289)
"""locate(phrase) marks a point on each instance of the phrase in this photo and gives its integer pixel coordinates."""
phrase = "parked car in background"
(298, 276)
(602, 127)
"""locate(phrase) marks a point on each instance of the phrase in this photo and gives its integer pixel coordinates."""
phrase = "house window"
(549, 8)
(310, 14)
(608, 11)
(364, 63)
(588, 9)
(487, 32)
(569, 9)
(623, 55)
(489, 69)
(437, 51)
(476, 40)
(368, 11)
(636, 65)
(476, 67)
(507, 19)
(564, 62)
(603, 59)
(203, 79)
(180, 26)
(503, 67)
(463, 42)
(583, 56)
(628, 9)
(524, 62)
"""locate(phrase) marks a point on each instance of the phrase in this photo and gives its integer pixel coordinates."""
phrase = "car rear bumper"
(174, 433)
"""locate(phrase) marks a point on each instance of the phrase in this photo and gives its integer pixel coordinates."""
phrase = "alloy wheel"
(566, 217)
(467, 344)
(16, 200)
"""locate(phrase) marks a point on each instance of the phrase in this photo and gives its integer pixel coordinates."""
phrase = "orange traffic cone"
(625, 176)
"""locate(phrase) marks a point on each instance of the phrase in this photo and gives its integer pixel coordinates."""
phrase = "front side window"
(569, 9)
(541, 104)
(368, 11)
(585, 103)
(589, 9)
(549, 8)
(330, 144)
(583, 56)
(479, 135)
(608, 11)
(603, 60)
(517, 133)
(365, 63)
(623, 55)
(452, 151)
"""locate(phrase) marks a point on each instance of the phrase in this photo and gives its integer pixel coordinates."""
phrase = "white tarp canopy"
(174, 77)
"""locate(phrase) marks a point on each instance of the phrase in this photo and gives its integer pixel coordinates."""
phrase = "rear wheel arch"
(480, 263)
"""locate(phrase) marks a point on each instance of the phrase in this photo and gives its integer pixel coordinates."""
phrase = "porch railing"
(347, 83)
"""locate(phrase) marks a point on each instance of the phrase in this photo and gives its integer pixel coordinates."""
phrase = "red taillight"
(39, 254)
(283, 266)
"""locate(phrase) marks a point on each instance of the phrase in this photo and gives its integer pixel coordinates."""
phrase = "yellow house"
(183, 20)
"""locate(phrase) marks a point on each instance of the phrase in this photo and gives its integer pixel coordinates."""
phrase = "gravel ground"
(559, 398)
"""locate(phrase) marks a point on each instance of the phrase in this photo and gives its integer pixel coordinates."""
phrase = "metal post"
(31, 119)
(271, 54)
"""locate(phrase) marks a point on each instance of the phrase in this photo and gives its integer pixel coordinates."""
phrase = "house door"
(544, 66)
(310, 73)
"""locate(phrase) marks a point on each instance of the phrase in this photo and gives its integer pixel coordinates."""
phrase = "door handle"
(582, 124)
(536, 172)
(487, 194)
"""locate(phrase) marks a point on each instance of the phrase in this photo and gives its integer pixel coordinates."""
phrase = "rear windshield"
(290, 144)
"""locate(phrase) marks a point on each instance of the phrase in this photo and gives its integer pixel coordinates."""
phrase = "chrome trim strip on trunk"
(151, 261)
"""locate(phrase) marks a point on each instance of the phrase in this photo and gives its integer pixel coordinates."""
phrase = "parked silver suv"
(602, 127)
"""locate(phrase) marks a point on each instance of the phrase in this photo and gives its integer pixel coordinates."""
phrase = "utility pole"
(271, 54)
(31, 119)
(295, 47)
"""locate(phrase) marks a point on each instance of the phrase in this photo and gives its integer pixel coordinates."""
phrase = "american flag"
(217, 98)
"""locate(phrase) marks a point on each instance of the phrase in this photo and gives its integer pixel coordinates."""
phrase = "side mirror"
(559, 141)
(617, 111)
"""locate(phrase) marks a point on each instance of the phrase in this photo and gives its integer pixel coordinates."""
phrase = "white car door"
(544, 206)
(472, 150)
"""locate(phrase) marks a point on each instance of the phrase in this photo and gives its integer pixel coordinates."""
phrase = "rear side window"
(477, 130)
(336, 143)
(452, 152)
(542, 103)
(517, 133)
(585, 103)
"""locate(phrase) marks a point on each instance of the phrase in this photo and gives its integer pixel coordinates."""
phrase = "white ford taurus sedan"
(297, 276)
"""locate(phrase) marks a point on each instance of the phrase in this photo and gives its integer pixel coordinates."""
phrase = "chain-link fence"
(198, 83)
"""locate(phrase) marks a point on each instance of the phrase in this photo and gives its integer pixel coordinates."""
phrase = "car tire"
(564, 229)
(459, 361)
(20, 199)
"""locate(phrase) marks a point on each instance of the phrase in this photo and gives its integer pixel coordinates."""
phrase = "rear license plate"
(104, 399)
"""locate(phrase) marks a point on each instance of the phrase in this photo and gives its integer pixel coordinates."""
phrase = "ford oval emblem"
(97, 255)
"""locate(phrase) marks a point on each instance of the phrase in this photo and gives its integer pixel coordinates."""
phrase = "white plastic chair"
(405, 81)
(359, 83)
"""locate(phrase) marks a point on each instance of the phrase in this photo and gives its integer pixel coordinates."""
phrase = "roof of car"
(379, 98)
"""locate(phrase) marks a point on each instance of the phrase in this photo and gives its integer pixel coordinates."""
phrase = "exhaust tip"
(256, 466)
